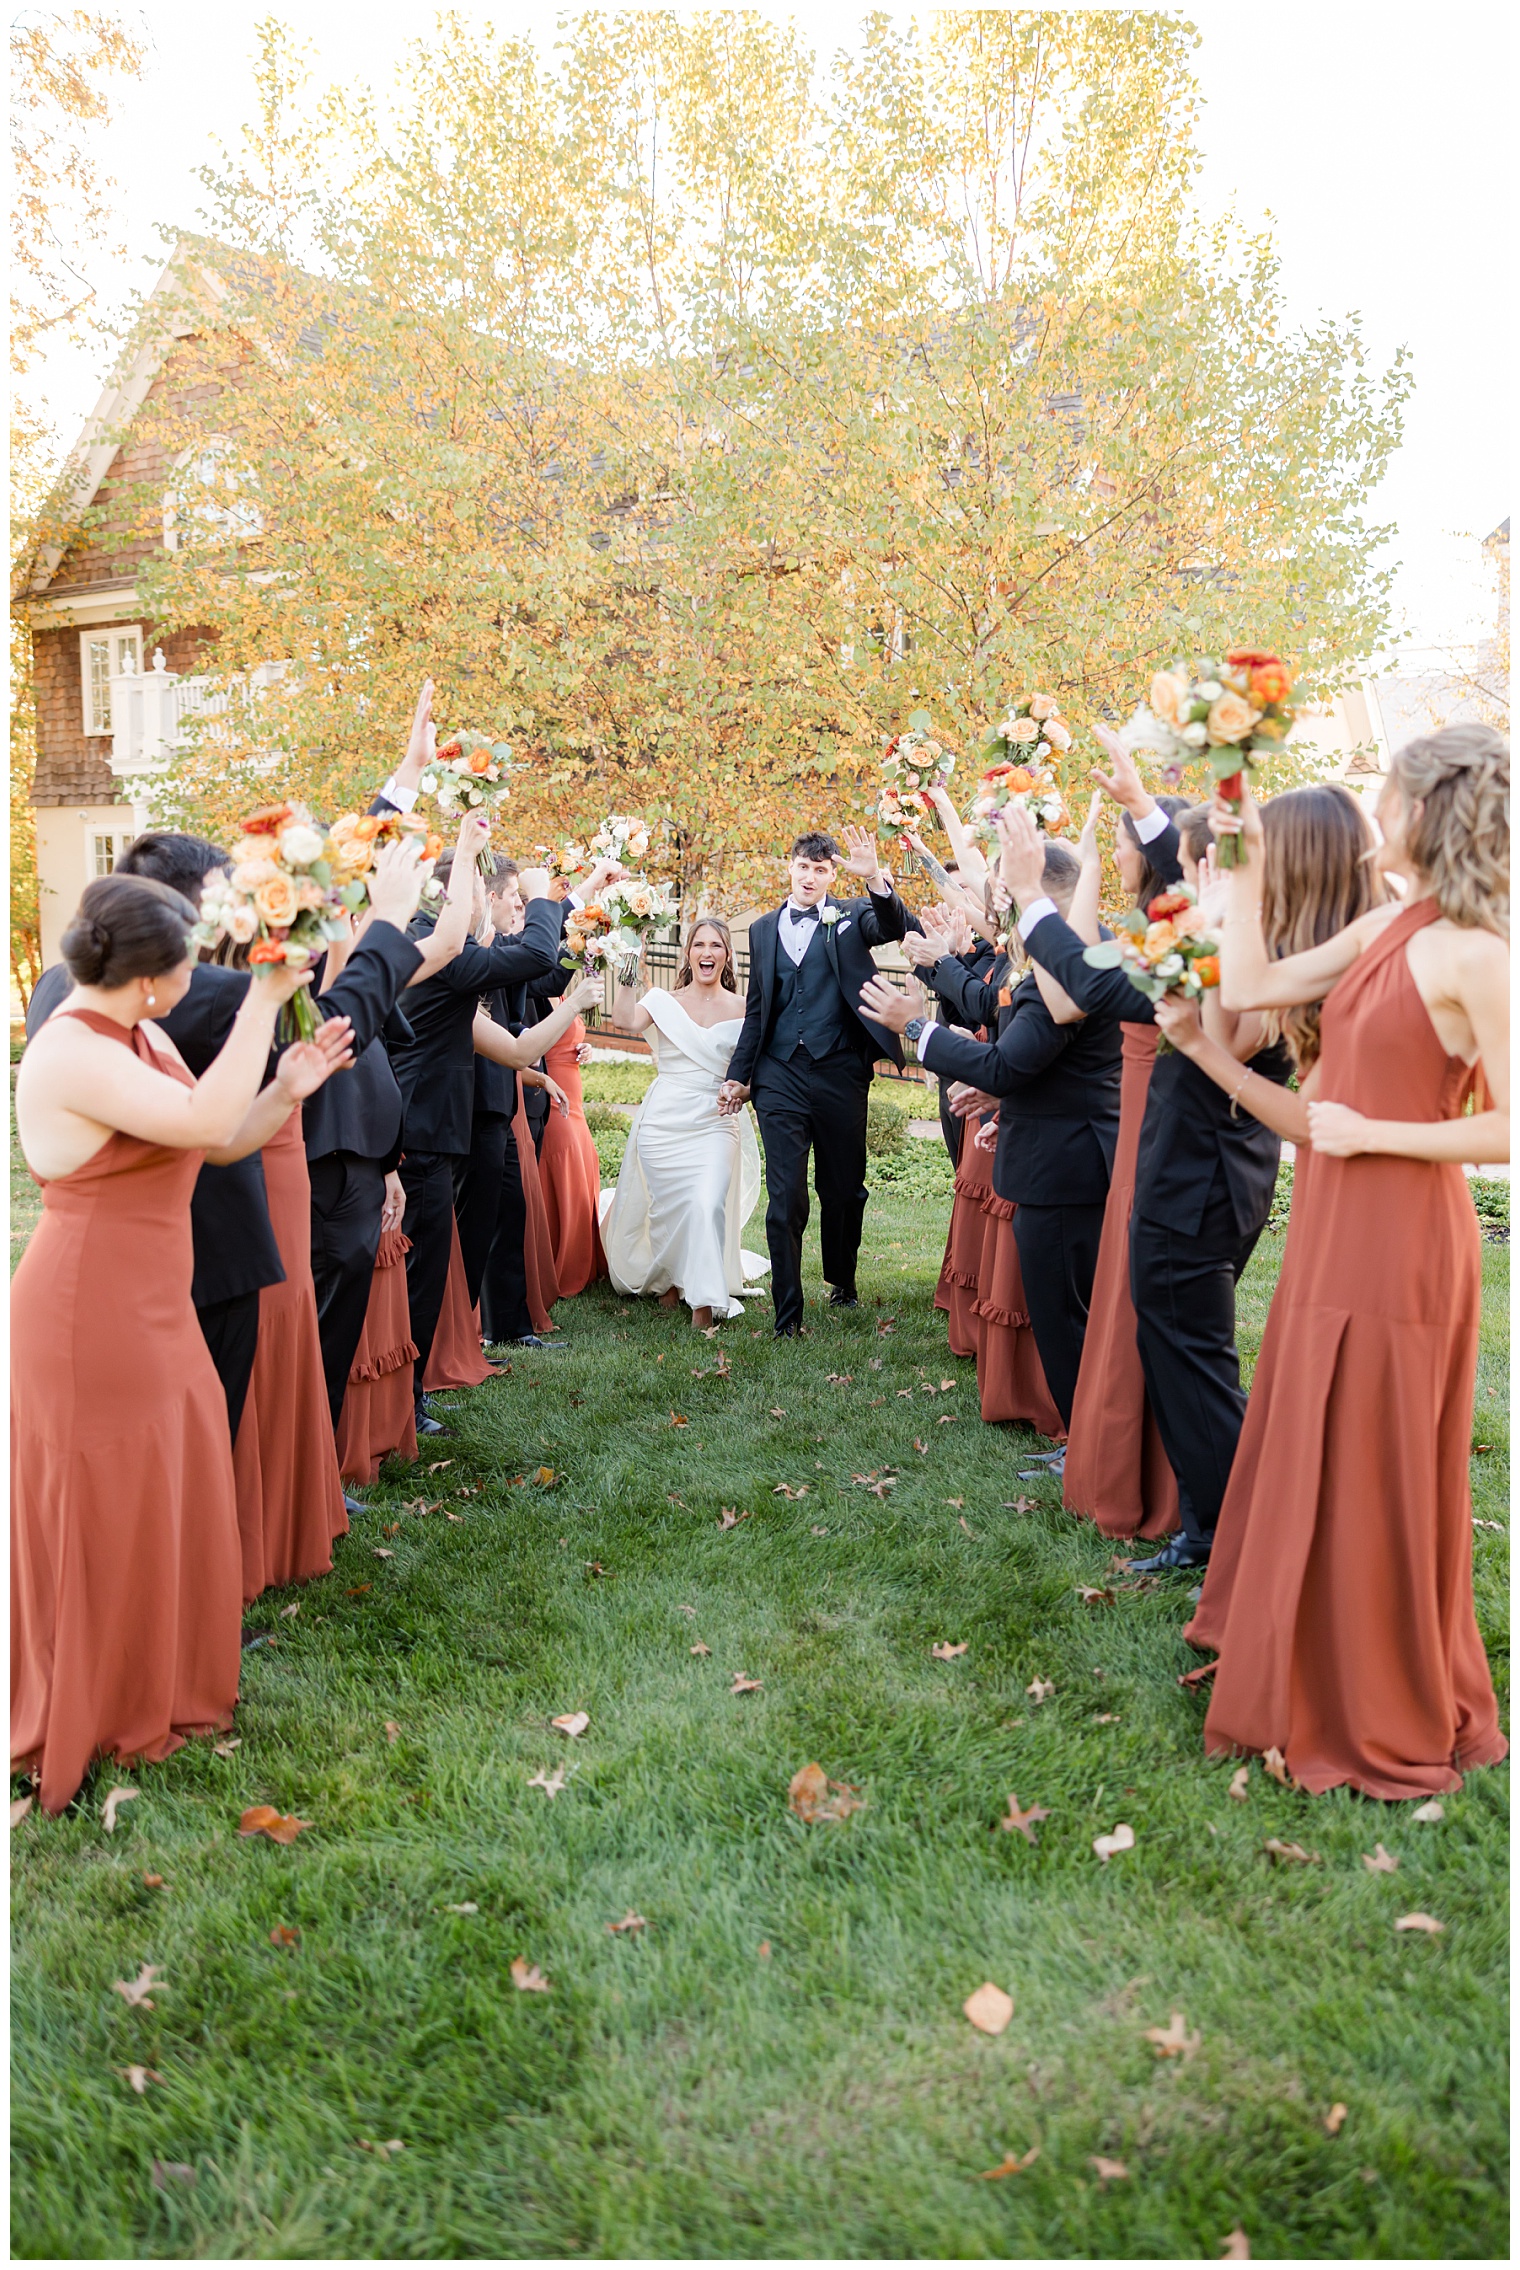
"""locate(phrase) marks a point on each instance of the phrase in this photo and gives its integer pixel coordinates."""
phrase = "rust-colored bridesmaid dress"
(1339, 1593)
(960, 1272)
(379, 1414)
(571, 1175)
(1116, 1470)
(125, 1567)
(289, 1496)
(1010, 1377)
(456, 1358)
(538, 1246)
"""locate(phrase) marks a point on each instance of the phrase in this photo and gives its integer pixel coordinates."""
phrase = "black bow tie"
(802, 913)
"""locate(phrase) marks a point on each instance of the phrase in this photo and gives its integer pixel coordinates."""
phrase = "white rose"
(428, 784)
(301, 845)
(242, 925)
(829, 915)
(1208, 689)
(1056, 734)
(1195, 735)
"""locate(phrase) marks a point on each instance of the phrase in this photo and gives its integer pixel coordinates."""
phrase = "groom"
(806, 1054)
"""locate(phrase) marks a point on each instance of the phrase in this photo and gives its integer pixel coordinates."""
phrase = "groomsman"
(970, 990)
(1204, 1182)
(1057, 1128)
(807, 1051)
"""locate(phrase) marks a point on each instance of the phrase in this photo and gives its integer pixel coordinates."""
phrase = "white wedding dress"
(690, 1177)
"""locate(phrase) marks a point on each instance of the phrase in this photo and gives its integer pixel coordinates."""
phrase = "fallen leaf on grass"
(461, 1907)
(947, 1418)
(630, 1922)
(390, 1529)
(1109, 2171)
(1240, 1782)
(263, 1820)
(970, 1532)
(293, 1610)
(1334, 2118)
(382, 2151)
(114, 1798)
(356, 1591)
(1279, 1850)
(731, 1517)
(764, 1950)
(527, 1977)
(743, 1686)
(1380, 1861)
(392, 1731)
(945, 1651)
(544, 1476)
(1121, 1840)
(989, 2009)
(1277, 1766)
(701, 1648)
(1040, 1690)
(1025, 1823)
(1433, 1811)
(920, 1446)
(1018, 1505)
(684, 1609)
(956, 1502)
(876, 1363)
(382, 1552)
(166, 2172)
(550, 1784)
(877, 1484)
(284, 1935)
(884, 1326)
(1173, 2039)
(152, 1883)
(1419, 1922)
(1095, 1595)
(672, 1499)
(138, 1992)
(573, 1723)
(775, 1414)
(840, 1378)
(1237, 2247)
(1477, 1524)
(137, 2078)
(1105, 1718)
(676, 1419)
(818, 1532)
(785, 1490)
(439, 1464)
(813, 1797)
(596, 1568)
(1010, 2166)
(20, 1807)
(1196, 1678)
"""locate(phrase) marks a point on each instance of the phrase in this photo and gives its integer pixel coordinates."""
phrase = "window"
(105, 847)
(104, 655)
(207, 506)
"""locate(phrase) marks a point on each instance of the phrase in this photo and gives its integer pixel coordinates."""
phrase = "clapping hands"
(307, 1063)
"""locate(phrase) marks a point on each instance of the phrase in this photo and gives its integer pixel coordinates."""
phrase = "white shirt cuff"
(931, 1024)
(402, 798)
(1036, 911)
(573, 898)
(1152, 825)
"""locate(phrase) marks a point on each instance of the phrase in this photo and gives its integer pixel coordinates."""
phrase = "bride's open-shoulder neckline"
(695, 1022)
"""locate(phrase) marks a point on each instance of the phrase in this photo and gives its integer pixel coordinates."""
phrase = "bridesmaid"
(456, 1358)
(1340, 1595)
(126, 1569)
(570, 1171)
(378, 1414)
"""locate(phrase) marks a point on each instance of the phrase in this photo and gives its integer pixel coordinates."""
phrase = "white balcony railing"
(150, 710)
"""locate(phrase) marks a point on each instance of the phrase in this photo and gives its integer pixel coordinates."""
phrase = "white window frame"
(121, 648)
(95, 842)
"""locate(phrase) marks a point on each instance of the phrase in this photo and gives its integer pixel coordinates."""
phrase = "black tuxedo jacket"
(435, 1070)
(1059, 1120)
(968, 987)
(360, 1109)
(1188, 1133)
(862, 924)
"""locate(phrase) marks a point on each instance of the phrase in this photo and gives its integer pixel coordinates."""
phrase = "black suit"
(814, 1098)
(1203, 1189)
(1057, 1129)
(967, 987)
(436, 1074)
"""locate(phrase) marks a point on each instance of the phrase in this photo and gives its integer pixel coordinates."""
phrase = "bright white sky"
(1376, 137)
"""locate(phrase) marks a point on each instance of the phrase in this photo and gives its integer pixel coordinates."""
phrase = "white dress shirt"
(794, 935)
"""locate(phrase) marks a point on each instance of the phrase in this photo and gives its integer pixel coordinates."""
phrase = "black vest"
(810, 1010)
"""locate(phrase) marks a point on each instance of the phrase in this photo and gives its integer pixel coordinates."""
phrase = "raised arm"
(521, 1049)
(1277, 1107)
(302, 1069)
(1248, 977)
(884, 919)
(447, 938)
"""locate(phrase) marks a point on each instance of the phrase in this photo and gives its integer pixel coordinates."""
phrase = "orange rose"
(432, 846)
(1206, 970)
(1271, 681)
(369, 827)
(276, 901)
(269, 820)
(1249, 657)
(1168, 902)
(267, 950)
(480, 760)
(449, 751)
(1019, 781)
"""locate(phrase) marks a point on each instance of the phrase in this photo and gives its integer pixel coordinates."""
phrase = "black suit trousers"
(477, 1194)
(230, 1330)
(803, 1106)
(1058, 1259)
(347, 1201)
(1183, 1289)
(504, 1287)
(427, 1177)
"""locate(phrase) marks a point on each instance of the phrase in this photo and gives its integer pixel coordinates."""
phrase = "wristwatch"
(913, 1028)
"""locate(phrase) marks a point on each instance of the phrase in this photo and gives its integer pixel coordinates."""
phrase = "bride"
(690, 1177)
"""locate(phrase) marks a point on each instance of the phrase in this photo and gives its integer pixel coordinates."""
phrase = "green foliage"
(627, 1081)
(886, 1126)
(1490, 1195)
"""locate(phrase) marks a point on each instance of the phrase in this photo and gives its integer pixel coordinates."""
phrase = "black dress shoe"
(532, 1340)
(427, 1426)
(1177, 1553)
(254, 1639)
(787, 1332)
(843, 1296)
(352, 1506)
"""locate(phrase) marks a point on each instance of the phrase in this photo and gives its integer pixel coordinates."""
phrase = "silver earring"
(152, 998)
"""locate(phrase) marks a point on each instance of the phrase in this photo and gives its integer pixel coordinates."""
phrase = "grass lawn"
(777, 2063)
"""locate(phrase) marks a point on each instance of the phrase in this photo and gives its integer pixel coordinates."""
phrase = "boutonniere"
(828, 916)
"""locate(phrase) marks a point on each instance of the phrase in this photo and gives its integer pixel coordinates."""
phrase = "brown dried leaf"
(813, 1797)
(1277, 1766)
(1025, 1823)
(263, 1820)
(775, 1414)
(138, 1992)
(1010, 2166)
(137, 2078)
(382, 1552)
(957, 1502)
(114, 1798)
(284, 1935)
(573, 1723)
(683, 1608)
(544, 1476)
(1108, 2171)
(989, 2009)
(1433, 1810)
(1018, 1505)
(785, 1490)
(439, 1464)
(550, 1784)
(293, 1610)
(1419, 1922)
(392, 1731)
(152, 1883)
(676, 1419)
(527, 1977)
(672, 1499)
(225, 1749)
(356, 1591)
(631, 1922)
(884, 1326)
(381, 2151)
(947, 1418)
(1173, 2039)
(743, 1686)
(970, 1532)
(1334, 2119)
(1121, 1840)
(817, 1531)
(1280, 1850)
(1240, 1783)
(732, 1516)
(876, 1363)
(764, 1950)
(920, 1446)
(1040, 1690)
(840, 1378)
(390, 1529)
(945, 1651)
(701, 1648)
(1236, 2248)
(1095, 1595)
(20, 1807)
(1380, 1861)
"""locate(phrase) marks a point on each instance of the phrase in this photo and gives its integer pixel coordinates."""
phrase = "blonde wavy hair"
(1460, 840)
(1317, 876)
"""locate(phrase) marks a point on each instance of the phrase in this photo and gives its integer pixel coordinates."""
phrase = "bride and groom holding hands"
(802, 1050)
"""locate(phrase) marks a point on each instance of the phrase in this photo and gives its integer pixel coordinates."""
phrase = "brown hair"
(127, 926)
(1461, 838)
(1193, 827)
(1317, 877)
(708, 922)
(1152, 880)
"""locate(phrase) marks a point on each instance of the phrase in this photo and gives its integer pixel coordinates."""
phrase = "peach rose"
(242, 925)
(354, 857)
(310, 895)
(1056, 734)
(1168, 696)
(1159, 940)
(1043, 706)
(479, 760)
(1023, 729)
(248, 874)
(1189, 923)
(276, 900)
(1230, 719)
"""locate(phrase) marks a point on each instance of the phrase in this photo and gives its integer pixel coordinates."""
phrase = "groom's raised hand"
(861, 859)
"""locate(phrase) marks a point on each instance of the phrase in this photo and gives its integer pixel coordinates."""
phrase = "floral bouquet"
(636, 909)
(587, 929)
(354, 839)
(466, 773)
(620, 837)
(1021, 766)
(1165, 949)
(284, 900)
(565, 864)
(912, 764)
(1230, 712)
